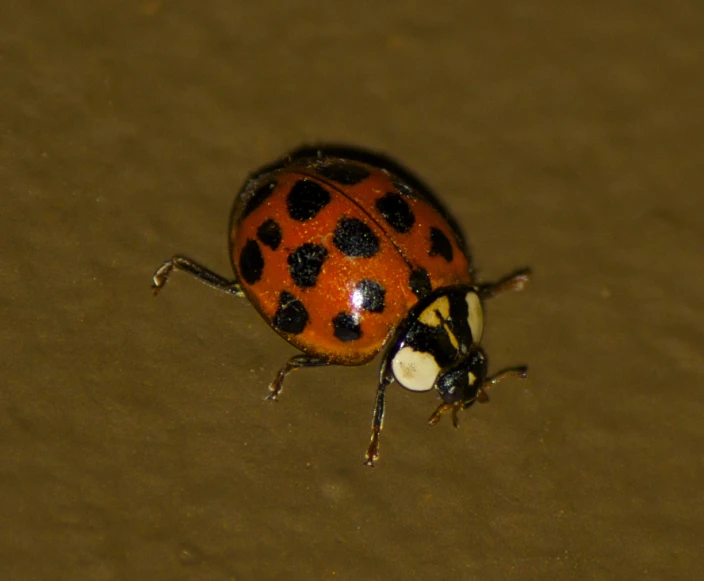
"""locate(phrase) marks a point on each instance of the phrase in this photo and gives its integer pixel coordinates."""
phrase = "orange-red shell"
(274, 241)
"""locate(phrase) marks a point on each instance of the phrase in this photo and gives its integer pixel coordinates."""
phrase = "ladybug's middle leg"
(204, 275)
(296, 362)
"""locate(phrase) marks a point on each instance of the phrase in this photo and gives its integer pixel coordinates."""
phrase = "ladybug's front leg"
(515, 372)
(378, 420)
(204, 275)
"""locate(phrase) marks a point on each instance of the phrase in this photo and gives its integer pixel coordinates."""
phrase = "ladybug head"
(460, 383)
(437, 346)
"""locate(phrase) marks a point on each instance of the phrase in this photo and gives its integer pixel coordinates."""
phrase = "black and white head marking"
(437, 335)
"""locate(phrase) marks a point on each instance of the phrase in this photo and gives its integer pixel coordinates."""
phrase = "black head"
(461, 382)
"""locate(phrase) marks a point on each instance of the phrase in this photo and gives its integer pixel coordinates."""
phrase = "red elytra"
(396, 256)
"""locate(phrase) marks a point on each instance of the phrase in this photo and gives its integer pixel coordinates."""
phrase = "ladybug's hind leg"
(204, 275)
(296, 362)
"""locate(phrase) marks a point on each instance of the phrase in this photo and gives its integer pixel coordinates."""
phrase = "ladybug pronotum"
(343, 258)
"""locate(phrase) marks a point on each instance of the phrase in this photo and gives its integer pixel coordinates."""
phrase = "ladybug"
(342, 258)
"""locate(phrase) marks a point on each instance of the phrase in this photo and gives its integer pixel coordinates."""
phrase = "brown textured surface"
(134, 440)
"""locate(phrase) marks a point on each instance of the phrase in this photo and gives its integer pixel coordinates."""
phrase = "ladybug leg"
(443, 408)
(482, 396)
(161, 276)
(378, 419)
(513, 282)
(296, 362)
(517, 372)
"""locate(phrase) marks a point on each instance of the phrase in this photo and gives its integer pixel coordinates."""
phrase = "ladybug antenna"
(481, 397)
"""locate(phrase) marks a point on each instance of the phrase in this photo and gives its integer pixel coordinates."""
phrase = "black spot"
(346, 328)
(373, 295)
(419, 282)
(396, 211)
(251, 262)
(269, 233)
(305, 263)
(354, 238)
(306, 199)
(440, 244)
(343, 172)
(258, 197)
(291, 316)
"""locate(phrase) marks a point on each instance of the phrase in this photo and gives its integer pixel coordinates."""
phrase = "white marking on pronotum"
(415, 370)
(472, 378)
(475, 317)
